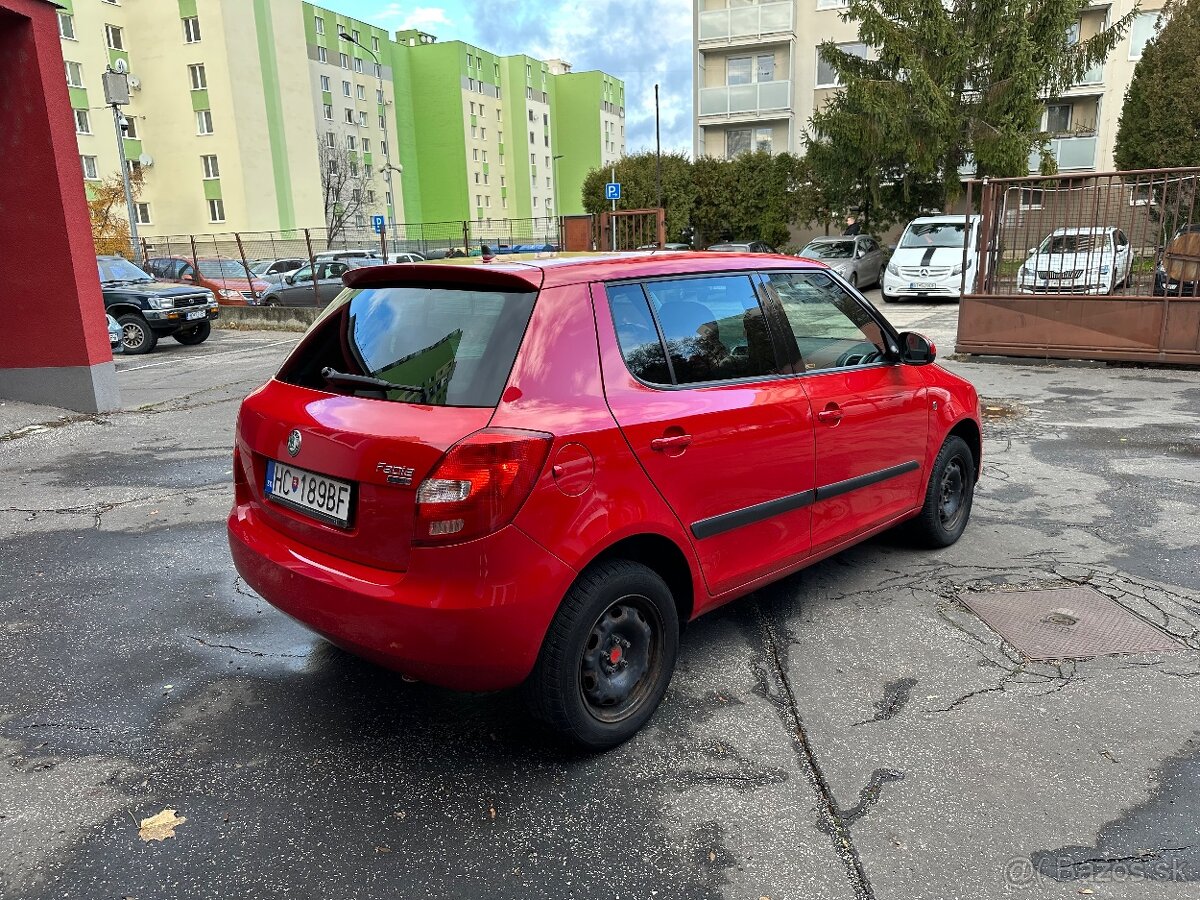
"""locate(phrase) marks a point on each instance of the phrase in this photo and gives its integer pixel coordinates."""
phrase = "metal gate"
(631, 229)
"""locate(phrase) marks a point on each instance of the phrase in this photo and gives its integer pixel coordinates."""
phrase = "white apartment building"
(758, 78)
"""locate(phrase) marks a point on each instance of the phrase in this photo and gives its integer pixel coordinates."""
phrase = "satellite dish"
(121, 67)
(146, 160)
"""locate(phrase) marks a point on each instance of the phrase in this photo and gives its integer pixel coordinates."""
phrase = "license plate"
(197, 314)
(327, 499)
(922, 286)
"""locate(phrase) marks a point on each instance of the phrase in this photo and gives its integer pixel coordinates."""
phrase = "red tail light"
(479, 485)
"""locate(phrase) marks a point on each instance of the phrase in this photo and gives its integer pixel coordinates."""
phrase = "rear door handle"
(675, 442)
(831, 415)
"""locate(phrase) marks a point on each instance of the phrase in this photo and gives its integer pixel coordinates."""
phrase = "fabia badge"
(294, 442)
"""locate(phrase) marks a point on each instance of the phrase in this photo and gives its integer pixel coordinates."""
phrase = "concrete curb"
(267, 318)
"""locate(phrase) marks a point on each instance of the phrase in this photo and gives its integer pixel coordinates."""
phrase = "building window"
(345, 89)
(826, 77)
(204, 122)
(343, 60)
(114, 37)
(191, 29)
(535, 201)
(358, 66)
(370, 196)
(1141, 33)
(216, 210)
(475, 154)
(383, 147)
(378, 70)
(362, 119)
(351, 142)
(211, 168)
(349, 117)
(326, 85)
(322, 55)
(328, 109)
(532, 139)
(477, 178)
(737, 141)
(89, 167)
(375, 44)
(530, 114)
(366, 144)
(483, 134)
(1030, 198)
(1058, 118)
(198, 76)
(83, 122)
(318, 25)
(142, 210)
(763, 139)
(74, 74)
(382, 124)
(330, 139)
(355, 34)
(379, 96)
(361, 92)
(66, 26)
(832, 4)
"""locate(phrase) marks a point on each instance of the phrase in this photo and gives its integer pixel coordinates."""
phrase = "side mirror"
(187, 276)
(290, 279)
(916, 349)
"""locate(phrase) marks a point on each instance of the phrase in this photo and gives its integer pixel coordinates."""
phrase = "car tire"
(948, 497)
(607, 657)
(136, 334)
(888, 298)
(197, 334)
(270, 301)
(853, 279)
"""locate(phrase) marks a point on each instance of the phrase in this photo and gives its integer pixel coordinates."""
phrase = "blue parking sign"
(377, 224)
(612, 190)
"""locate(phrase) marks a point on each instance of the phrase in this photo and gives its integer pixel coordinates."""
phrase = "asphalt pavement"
(854, 731)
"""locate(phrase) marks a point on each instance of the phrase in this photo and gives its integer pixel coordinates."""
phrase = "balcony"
(747, 24)
(1071, 153)
(746, 100)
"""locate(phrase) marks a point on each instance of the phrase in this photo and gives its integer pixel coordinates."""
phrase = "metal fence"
(1111, 233)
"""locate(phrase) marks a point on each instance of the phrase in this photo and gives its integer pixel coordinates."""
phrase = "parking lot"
(854, 731)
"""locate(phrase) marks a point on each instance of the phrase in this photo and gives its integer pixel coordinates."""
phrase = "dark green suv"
(147, 309)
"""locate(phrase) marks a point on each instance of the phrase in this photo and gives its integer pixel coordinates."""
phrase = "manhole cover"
(1067, 623)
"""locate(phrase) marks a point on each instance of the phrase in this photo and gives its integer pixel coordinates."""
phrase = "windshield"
(1074, 243)
(222, 268)
(120, 270)
(829, 250)
(457, 345)
(933, 234)
(260, 267)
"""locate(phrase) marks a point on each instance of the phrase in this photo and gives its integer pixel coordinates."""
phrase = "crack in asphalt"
(830, 819)
(98, 509)
(262, 654)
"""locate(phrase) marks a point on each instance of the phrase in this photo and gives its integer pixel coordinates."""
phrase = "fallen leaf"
(712, 856)
(383, 849)
(400, 814)
(492, 811)
(1086, 891)
(160, 827)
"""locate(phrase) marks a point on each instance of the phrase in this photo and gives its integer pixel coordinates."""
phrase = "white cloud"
(400, 16)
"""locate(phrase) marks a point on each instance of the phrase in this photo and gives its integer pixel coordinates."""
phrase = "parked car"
(677, 248)
(297, 288)
(114, 336)
(1164, 284)
(751, 247)
(447, 478)
(1077, 261)
(359, 253)
(929, 260)
(147, 310)
(406, 257)
(858, 259)
(228, 279)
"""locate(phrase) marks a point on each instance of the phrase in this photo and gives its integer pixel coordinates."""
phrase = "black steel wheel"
(608, 655)
(948, 496)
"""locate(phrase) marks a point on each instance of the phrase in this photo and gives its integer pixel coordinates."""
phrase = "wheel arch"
(968, 430)
(663, 556)
(116, 310)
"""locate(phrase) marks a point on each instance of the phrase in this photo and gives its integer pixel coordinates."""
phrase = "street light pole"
(116, 95)
(557, 207)
(387, 148)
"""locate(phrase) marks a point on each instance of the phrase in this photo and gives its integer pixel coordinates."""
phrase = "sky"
(640, 42)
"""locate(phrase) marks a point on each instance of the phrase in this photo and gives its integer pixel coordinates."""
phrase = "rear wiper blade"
(333, 376)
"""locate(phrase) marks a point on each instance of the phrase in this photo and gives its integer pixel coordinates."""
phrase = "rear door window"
(444, 346)
(713, 329)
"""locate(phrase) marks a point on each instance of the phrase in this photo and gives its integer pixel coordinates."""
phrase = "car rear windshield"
(933, 234)
(829, 250)
(443, 346)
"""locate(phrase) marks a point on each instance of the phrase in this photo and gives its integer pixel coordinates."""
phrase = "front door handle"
(830, 415)
(675, 442)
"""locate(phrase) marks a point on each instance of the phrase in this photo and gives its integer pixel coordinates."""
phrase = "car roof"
(829, 239)
(564, 270)
(1101, 230)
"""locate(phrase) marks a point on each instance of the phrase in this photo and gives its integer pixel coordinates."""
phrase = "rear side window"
(438, 345)
(713, 329)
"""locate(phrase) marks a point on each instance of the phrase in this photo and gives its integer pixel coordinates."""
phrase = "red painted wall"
(51, 309)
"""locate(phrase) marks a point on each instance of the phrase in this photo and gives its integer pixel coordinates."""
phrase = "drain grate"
(1066, 623)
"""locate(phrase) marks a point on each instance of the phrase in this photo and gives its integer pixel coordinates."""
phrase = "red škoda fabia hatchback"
(491, 475)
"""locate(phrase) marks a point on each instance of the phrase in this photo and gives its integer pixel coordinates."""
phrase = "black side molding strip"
(862, 481)
(751, 514)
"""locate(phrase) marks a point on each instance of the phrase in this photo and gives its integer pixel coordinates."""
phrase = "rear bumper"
(470, 617)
